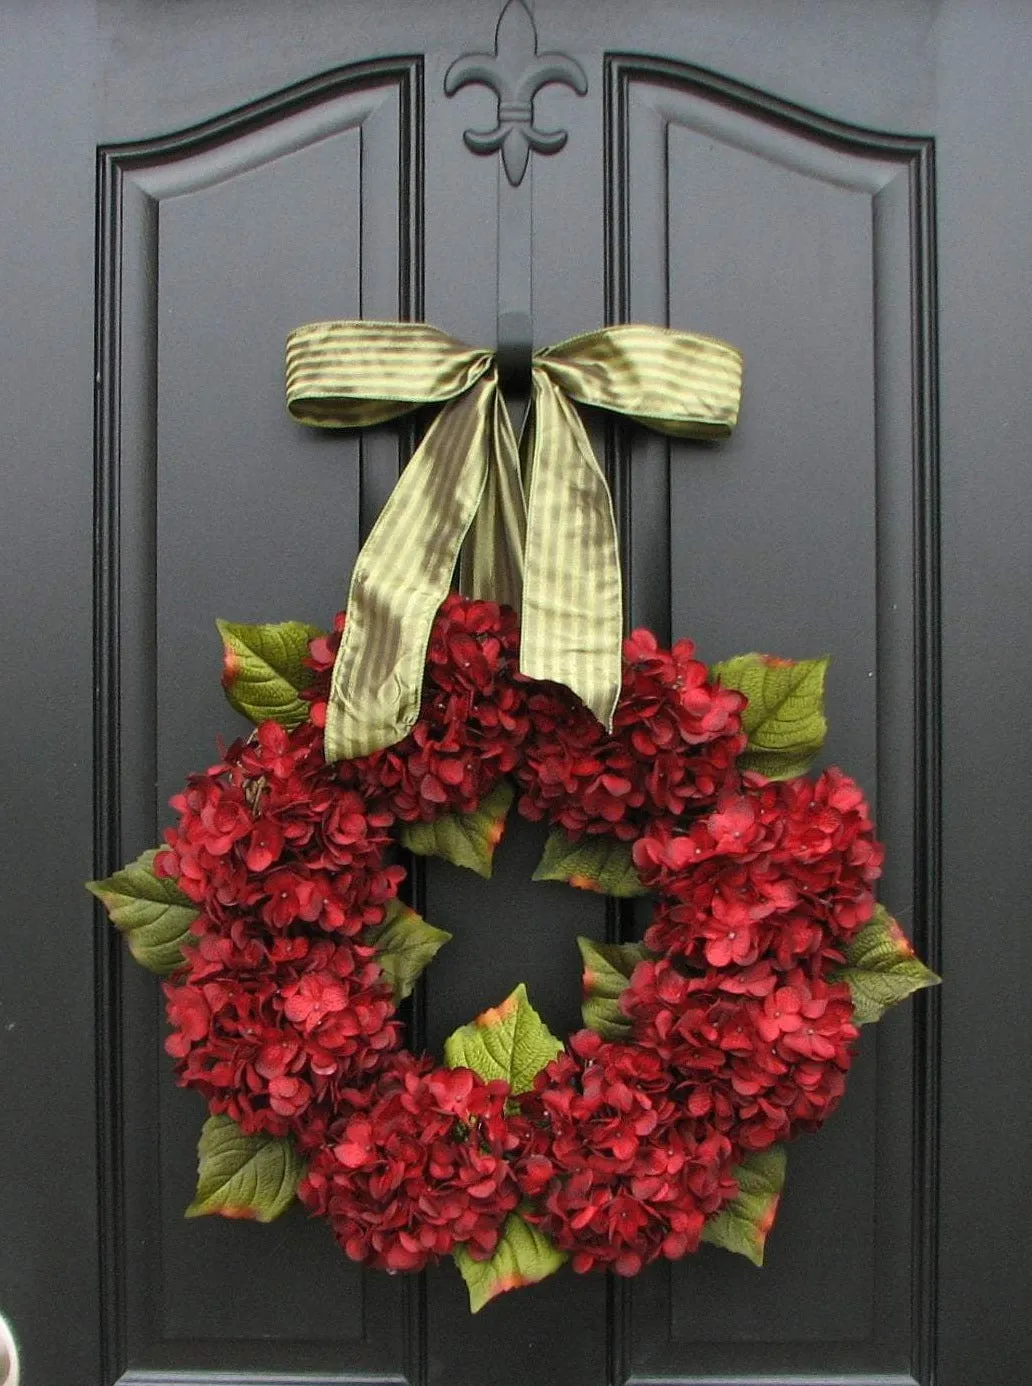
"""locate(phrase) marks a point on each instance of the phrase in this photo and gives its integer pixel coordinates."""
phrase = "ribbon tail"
(572, 621)
(492, 556)
(402, 575)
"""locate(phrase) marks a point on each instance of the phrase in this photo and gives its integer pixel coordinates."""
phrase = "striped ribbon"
(533, 519)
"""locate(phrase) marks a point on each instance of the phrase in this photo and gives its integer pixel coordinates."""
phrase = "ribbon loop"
(678, 383)
(554, 554)
(353, 374)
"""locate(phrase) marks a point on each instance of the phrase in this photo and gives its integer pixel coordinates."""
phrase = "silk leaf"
(509, 1041)
(602, 864)
(743, 1224)
(464, 839)
(523, 1256)
(242, 1176)
(784, 718)
(607, 972)
(405, 943)
(263, 670)
(150, 910)
(881, 968)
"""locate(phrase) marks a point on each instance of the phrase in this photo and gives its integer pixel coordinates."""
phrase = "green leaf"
(881, 968)
(602, 864)
(465, 839)
(242, 1176)
(523, 1256)
(743, 1224)
(150, 910)
(263, 670)
(405, 944)
(785, 716)
(607, 971)
(510, 1041)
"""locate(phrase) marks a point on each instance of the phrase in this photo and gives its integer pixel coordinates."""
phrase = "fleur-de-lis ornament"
(515, 72)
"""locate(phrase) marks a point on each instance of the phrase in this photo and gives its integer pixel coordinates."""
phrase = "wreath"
(273, 909)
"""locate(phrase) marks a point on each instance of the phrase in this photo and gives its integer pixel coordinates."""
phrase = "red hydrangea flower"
(829, 848)
(674, 742)
(420, 1170)
(473, 718)
(616, 1174)
(784, 870)
(760, 1062)
(270, 839)
(265, 1045)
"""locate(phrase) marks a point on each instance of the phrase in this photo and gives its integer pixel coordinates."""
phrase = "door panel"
(810, 244)
(778, 174)
(203, 460)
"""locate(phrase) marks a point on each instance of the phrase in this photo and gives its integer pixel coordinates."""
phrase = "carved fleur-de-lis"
(515, 72)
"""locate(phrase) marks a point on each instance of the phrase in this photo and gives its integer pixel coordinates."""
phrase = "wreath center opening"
(506, 930)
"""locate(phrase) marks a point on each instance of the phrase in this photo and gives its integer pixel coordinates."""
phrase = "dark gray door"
(840, 189)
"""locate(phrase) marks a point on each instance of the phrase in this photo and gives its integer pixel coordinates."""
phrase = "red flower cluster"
(780, 870)
(419, 1169)
(283, 1019)
(280, 1006)
(754, 1054)
(270, 839)
(473, 720)
(614, 1166)
(270, 1045)
(674, 742)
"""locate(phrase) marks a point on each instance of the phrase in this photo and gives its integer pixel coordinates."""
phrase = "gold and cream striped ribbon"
(540, 537)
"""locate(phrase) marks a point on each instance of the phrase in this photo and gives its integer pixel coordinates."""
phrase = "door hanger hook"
(515, 351)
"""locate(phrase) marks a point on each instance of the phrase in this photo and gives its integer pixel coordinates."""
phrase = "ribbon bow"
(534, 519)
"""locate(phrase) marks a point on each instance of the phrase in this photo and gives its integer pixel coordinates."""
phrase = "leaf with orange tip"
(263, 669)
(784, 718)
(881, 968)
(242, 1176)
(742, 1225)
(405, 943)
(509, 1041)
(464, 839)
(150, 910)
(602, 864)
(523, 1256)
(607, 971)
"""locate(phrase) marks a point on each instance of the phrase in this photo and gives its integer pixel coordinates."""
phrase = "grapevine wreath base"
(273, 909)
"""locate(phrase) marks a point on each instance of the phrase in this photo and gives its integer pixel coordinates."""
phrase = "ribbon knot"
(533, 519)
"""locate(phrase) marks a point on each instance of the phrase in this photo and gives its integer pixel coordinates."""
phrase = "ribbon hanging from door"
(534, 520)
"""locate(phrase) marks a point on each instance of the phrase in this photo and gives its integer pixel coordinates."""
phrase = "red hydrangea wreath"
(273, 909)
